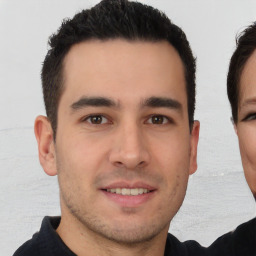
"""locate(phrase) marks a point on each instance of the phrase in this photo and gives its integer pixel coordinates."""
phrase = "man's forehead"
(122, 55)
(92, 66)
(95, 47)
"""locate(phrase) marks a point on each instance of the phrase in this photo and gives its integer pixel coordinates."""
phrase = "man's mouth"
(131, 195)
(128, 191)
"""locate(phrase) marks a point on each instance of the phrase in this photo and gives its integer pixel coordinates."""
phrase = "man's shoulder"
(187, 248)
(43, 242)
(31, 247)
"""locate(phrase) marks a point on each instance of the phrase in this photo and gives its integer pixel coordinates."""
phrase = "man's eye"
(96, 119)
(158, 119)
(250, 117)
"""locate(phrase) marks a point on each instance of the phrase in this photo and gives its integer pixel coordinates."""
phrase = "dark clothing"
(189, 248)
(241, 242)
(46, 242)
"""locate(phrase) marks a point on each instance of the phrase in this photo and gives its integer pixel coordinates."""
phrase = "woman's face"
(246, 124)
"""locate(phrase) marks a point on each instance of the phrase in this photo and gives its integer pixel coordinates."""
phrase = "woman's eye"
(158, 119)
(96, 119)
(250, 117)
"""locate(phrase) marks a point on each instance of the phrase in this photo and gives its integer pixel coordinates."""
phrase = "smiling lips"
(129, 191)
(129, 195)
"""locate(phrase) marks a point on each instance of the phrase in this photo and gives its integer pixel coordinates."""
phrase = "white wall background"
(218, 198)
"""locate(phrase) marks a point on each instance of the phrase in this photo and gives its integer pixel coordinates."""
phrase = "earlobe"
(46, 148)
(193, 146)
(235, 128)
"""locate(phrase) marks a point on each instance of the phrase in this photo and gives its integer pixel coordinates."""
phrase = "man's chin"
(132, 237)
(129, 233)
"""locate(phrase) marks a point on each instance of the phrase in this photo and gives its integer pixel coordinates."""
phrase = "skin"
(130, 141)
(246, 125)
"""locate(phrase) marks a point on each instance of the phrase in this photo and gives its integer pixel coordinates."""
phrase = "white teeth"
(125, 192)
(134, 191)
(128, 191)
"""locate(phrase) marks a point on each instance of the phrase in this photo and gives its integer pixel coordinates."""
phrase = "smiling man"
(119, 91)
(123, 149)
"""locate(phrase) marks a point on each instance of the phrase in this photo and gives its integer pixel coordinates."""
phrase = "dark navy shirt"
(241, 242)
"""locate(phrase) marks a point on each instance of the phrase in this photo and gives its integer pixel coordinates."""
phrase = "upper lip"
(124, 184)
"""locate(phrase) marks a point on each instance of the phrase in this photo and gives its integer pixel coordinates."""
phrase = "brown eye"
(250, 117)
(98, 119)
(158, 119)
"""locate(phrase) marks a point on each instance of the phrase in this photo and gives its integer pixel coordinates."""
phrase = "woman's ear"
(46, 146)
(234, 124)
(235, 128)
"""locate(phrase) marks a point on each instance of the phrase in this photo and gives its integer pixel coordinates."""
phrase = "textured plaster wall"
(218, 198)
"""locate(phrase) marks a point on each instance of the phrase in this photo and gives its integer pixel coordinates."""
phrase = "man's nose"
(130, 149)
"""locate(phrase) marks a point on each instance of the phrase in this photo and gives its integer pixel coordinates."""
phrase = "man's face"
(123, 148)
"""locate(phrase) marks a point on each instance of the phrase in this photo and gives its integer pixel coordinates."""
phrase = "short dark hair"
(245, 46)
(111, 19)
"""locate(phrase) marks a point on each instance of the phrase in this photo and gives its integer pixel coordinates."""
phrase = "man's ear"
(194, 137)
(46, 147)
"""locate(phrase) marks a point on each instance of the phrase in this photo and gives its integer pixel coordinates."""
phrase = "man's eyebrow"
(93, 102)
(162, 102)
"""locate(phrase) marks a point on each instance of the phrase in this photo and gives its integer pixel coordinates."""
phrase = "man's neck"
(84, 242)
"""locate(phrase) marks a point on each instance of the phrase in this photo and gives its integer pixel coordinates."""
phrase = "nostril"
(118, 163)
(141, 163)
